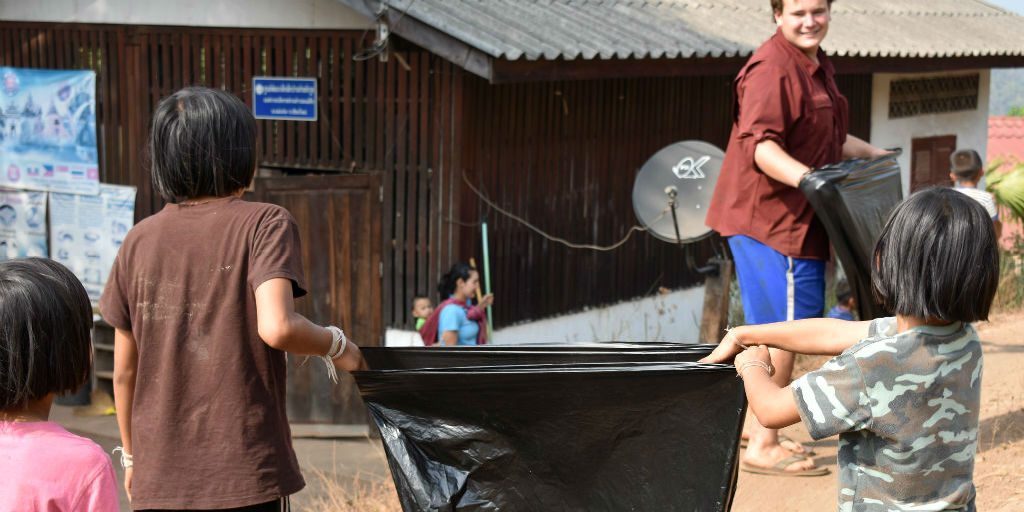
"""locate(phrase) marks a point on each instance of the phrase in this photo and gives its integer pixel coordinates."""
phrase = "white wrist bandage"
(126, 458)
(338, 345)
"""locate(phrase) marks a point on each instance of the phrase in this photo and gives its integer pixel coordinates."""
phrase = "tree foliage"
(1007, 185)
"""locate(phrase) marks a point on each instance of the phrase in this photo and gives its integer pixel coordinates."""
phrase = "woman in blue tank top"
(459, 322)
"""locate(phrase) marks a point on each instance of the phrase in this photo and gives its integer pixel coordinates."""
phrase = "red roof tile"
(1005, 138)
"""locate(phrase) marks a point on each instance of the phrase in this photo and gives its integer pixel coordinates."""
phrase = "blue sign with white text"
(289, 99)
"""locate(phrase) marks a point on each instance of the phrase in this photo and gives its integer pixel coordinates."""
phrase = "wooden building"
(547, 108)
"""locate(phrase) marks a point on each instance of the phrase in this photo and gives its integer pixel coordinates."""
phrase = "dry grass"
(361, 494)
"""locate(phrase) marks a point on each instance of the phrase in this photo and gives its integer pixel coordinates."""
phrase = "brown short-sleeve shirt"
(781, 96)
(209, 423)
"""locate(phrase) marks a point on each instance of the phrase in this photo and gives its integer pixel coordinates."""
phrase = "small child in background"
(903, 393)
(422, 307)
(845, 303)
(45, 350)
(966, 171)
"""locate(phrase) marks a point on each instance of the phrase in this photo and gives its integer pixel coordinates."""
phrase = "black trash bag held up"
(853, 200)
(410, 358)
(570, 437)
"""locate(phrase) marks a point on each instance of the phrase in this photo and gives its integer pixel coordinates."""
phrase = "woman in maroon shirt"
(790, 118)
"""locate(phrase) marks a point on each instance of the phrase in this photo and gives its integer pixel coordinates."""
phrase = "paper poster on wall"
(48, 130)
(22, 224)
(87, 231)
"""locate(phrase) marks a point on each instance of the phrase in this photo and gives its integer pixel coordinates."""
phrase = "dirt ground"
(997, 474)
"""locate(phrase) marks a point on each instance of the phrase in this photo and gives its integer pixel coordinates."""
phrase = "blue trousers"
(775, 287)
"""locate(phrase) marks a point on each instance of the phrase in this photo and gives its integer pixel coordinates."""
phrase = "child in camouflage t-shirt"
(903, 393)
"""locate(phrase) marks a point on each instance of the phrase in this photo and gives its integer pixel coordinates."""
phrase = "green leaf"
(1007, 185)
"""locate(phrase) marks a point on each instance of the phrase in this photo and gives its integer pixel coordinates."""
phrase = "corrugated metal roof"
(632, 29)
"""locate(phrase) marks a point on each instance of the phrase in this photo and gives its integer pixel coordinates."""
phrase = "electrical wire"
(552, 238)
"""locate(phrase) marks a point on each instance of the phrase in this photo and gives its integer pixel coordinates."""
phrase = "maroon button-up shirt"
(782, 96)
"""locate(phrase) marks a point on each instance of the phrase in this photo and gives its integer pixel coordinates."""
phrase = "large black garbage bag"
(595, 345)
(408, 358)
(581, 437)
(853, 200)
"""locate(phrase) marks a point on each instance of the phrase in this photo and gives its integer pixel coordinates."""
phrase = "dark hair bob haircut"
(45, 319)
(202, 143)
(446, 286)
(937, 258)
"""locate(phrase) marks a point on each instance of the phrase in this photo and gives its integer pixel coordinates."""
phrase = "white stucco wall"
(970, 127)
(674, 316)
(322, 14)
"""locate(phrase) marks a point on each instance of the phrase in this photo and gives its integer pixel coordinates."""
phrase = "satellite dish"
(673, 189)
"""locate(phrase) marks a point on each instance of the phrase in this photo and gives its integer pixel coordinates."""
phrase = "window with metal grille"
(908, 98)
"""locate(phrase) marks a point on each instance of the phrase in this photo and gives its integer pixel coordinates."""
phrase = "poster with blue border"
(48, 130)
(22, 224)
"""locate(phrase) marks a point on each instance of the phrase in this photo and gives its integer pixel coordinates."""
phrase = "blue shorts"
(775, 287)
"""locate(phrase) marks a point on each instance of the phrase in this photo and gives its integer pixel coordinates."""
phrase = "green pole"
(487, 275)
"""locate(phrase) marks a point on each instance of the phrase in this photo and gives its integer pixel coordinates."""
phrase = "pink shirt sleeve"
(101, 494)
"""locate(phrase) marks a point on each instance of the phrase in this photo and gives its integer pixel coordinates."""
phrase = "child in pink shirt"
(44, 351)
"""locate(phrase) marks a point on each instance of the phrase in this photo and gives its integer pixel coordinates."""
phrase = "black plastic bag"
(853, 199)
(577, 437)
(408, 358)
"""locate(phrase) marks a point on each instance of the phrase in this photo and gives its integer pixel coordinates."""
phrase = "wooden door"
(339, 224)
(930, 161)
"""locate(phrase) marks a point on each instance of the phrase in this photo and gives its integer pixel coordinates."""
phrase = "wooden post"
(715, 317)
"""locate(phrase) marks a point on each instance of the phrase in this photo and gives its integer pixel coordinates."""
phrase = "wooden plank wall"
(858, 89)
(338, 218)
(396, 116)
(563, 155)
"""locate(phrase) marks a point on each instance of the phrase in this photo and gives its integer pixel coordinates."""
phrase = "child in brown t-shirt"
(202, 299)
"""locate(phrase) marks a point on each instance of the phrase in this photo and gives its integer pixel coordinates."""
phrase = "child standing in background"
(45, 350)
(966, 171)
(845, 304)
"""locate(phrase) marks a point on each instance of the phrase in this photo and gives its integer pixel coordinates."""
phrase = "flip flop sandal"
(779, 468)
(808, 451)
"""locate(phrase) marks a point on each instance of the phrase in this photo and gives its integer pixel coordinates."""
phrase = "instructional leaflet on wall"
(22, 224)
(48, 130)
(87, 231)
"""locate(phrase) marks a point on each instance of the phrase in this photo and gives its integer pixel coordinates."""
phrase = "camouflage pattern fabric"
(905, 407)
